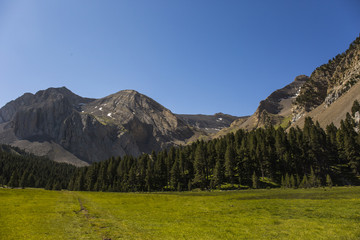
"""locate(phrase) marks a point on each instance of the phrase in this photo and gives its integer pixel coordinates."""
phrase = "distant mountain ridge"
(210, 124)
(68, 128)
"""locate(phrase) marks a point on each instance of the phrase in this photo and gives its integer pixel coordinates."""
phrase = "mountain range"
(68, 128)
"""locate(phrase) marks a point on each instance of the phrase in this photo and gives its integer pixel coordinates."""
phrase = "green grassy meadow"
(249, 214)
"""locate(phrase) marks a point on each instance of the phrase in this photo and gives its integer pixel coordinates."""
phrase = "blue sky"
(198, 56)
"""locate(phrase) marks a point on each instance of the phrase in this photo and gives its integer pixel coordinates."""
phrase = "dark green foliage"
(328, 181)
(254, 181)
(200, 167)
(355, 108)
(230, 164)
(19, 169)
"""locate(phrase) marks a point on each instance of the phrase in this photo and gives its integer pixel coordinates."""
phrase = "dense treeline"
(20, 169)
(265, 157)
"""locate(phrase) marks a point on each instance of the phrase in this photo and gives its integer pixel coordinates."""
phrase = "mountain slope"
(273, 110)
(327, 84)
(335, 112)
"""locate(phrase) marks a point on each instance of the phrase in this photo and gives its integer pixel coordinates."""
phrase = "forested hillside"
(262, 158)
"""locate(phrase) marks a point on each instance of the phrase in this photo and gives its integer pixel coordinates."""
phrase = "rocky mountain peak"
(59, 94)
(301, 78)
(134, 100)
(128, 104)
(281, 99)
(150, 124)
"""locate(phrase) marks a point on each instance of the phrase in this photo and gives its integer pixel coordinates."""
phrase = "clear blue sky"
(192, 56)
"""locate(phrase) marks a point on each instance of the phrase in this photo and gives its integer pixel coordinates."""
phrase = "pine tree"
(304, 183)
(14, 181)
(179, 187)
(287, 180)
(199, 165)
(175, 175)
(355, 107)
(328, 181)
(312, 178)
(48, 185)
(90, 178)
(292, 181)
(71, 183)
(149, 176)
(56, 186)
(79, 182)
(1, 181)
(218, 174)
(332, 153)
(160, 179)
(132, 184)
(254, 181)
(230, 164)
(23, 180)
(298, 180)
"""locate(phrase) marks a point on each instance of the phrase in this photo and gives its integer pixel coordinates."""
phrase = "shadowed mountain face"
(68, 128)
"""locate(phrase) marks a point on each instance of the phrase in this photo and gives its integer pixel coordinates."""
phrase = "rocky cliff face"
(69, 128)
(330, 81)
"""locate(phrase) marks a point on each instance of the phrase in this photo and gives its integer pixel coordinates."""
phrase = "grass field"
(251, 214)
